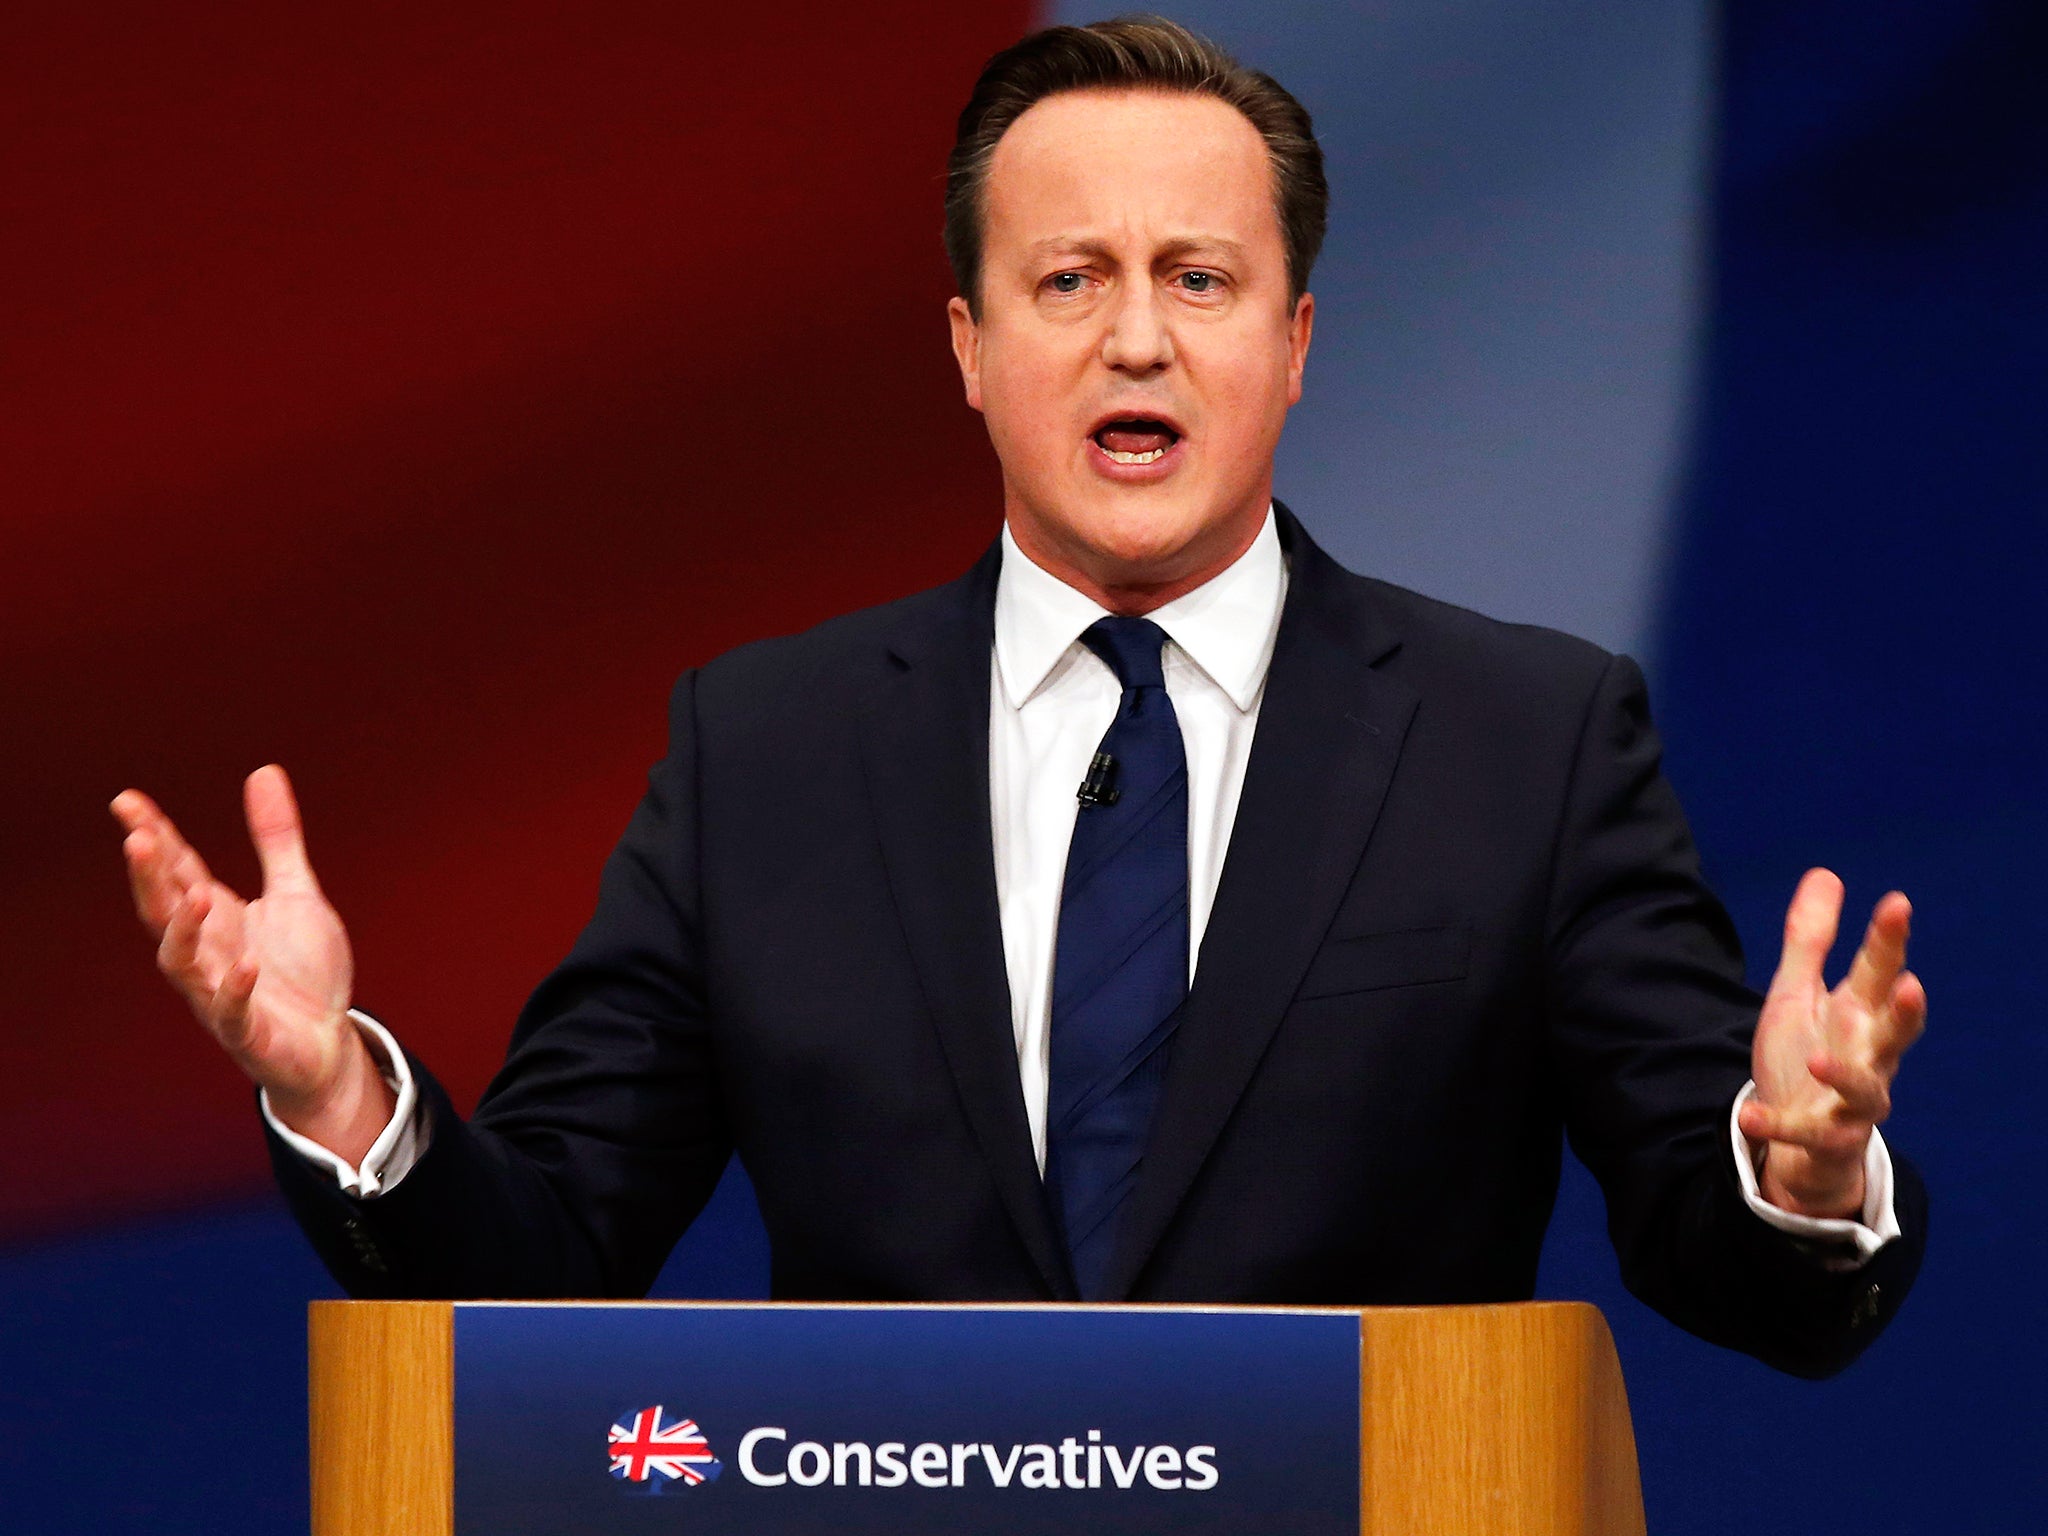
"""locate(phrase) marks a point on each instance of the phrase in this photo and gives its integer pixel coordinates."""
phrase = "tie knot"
(1131, 649)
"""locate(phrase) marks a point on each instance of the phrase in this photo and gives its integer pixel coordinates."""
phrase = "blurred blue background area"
(1849, 670)
(1715, 333)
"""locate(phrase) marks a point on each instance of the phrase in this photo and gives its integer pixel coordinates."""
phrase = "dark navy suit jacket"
(1461, 917)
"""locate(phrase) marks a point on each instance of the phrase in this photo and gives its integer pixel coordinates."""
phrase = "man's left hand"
(1824, 1060)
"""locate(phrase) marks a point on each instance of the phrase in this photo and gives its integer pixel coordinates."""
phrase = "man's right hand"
(270, 978)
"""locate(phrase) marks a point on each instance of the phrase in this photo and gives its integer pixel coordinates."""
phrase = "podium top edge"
(1182, 1309)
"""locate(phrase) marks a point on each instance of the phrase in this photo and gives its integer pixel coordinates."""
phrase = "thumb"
(273, 814)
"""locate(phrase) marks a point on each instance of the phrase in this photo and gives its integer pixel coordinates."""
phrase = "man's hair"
(1131, 53)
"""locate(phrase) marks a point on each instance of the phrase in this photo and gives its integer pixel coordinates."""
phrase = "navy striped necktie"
(1120, 962)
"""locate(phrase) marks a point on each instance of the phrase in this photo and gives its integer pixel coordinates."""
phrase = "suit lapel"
(925, 742)
(1330, 731)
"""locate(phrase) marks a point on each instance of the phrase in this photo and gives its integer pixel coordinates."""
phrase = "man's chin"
(1136, 542)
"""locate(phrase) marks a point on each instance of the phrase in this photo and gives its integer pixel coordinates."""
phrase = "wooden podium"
(1484, 1419)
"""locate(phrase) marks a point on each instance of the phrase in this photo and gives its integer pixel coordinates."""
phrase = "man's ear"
(966, 348)
(1298, 331)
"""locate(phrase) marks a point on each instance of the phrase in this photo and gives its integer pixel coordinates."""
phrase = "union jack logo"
(643, 1447)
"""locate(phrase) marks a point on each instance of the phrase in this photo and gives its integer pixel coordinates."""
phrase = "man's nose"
(1138, 340)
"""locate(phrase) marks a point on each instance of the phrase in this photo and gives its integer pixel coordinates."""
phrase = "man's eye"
(1199, 282)
(1065, 282)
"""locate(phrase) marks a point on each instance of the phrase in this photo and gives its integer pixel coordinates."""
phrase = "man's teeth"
(1152, 456)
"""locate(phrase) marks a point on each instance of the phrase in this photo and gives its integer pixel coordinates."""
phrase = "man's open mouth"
(1135, 439)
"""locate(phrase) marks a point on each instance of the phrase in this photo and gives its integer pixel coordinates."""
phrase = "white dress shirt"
(1051, 700)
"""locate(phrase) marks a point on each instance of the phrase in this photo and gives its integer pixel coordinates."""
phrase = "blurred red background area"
(408, 400)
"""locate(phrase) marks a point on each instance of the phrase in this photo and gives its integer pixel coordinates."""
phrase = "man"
(1158, 912)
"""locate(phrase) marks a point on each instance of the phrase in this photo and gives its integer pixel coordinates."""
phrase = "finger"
(161, 865)
(1818, 1134)
(274, 827)
(1882, 954)
(230, 1010)
(158, 883)
(1761, 1122)
(137, 812)
(177, 953)
(1758, 1121)
(1810, 925)
(1902, 1023)
(1865, 1090)
(132, 808)
(156, 894)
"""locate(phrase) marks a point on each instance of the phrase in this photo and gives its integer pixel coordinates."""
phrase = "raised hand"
(1824, 1060)
(270, 978)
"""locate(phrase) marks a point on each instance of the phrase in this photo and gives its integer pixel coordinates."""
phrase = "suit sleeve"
(1650, 1024)
(604, 1133)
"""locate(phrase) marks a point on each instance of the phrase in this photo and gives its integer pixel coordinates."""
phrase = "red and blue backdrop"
(407, 395)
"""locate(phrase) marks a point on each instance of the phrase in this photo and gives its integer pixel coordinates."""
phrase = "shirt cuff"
(397, 1147)
(1855, 1241)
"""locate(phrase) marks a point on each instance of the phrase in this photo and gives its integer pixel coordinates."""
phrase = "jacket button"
(367, 1253)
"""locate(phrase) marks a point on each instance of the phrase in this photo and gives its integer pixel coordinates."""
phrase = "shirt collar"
(1226, 626)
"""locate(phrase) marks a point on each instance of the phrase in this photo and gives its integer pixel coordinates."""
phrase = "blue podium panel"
(581, 1420)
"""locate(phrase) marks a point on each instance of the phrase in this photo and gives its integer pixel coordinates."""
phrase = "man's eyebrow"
(1096, 249)
(1066, 245)
(1189, 245)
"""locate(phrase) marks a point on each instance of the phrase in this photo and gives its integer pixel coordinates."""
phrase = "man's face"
(1136, 351)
